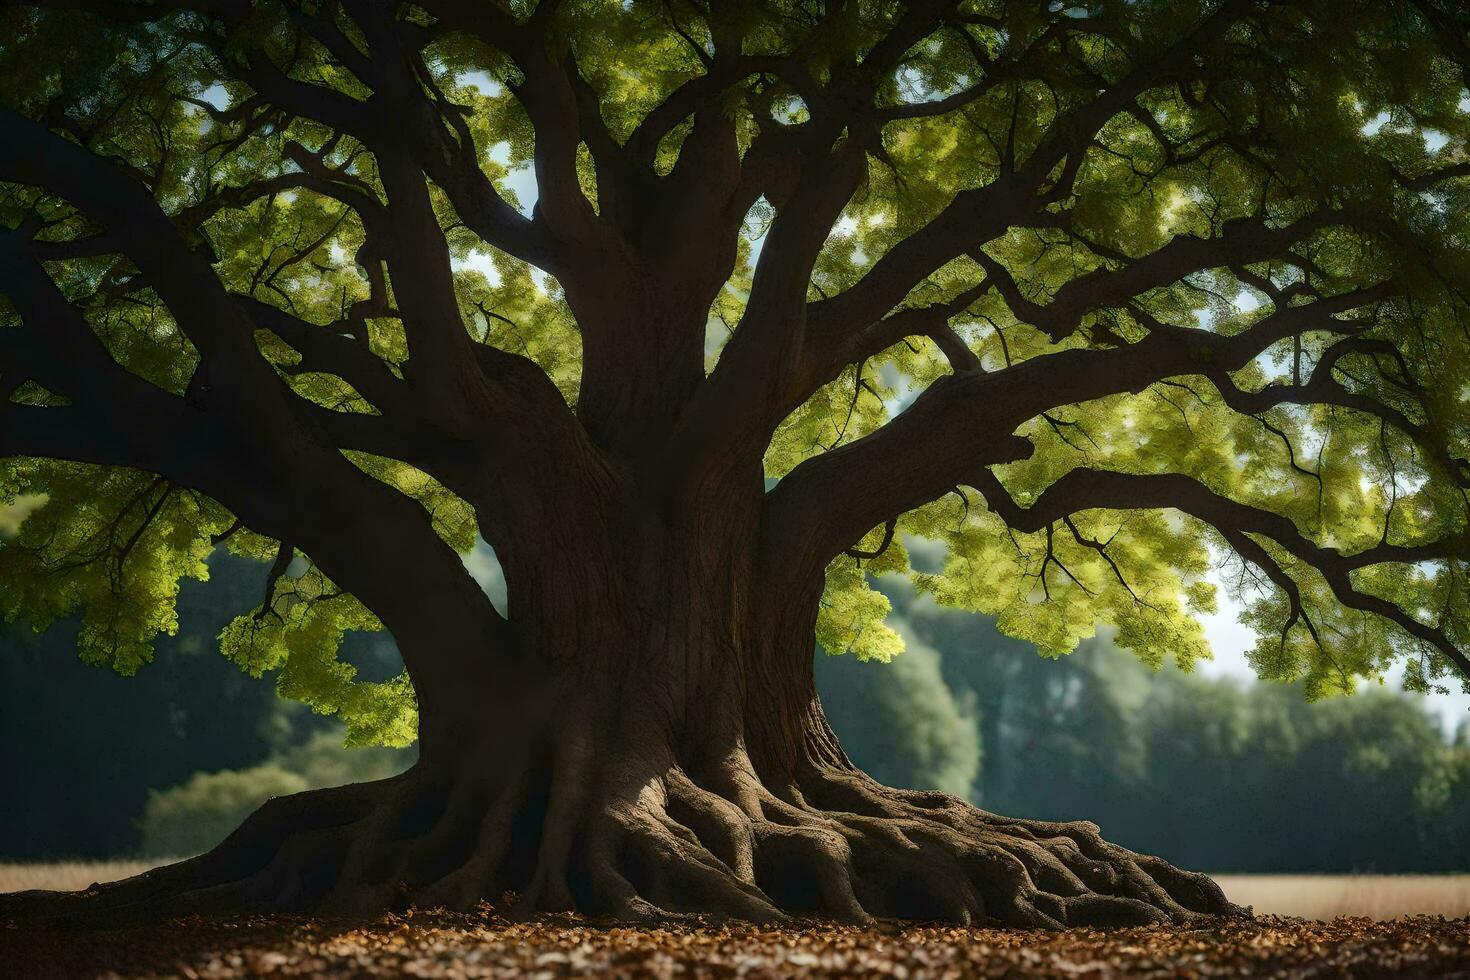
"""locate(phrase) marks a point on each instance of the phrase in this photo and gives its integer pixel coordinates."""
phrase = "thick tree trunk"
(660, 750)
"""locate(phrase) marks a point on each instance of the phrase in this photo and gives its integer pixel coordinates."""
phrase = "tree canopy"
(1096, 295)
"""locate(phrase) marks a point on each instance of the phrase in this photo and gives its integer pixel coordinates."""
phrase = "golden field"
(1328, 896)
(1308, 896)
(67, 875)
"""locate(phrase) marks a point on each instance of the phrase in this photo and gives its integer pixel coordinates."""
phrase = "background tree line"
(1206, 772)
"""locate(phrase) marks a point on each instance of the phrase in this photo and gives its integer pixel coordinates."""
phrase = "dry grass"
(1328, 896)
(69, 876)
(1308, 896)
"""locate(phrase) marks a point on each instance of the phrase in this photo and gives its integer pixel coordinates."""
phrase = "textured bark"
(667, 756)
(626, 829)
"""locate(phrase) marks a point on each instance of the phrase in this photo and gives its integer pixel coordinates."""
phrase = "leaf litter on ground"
(437, 943)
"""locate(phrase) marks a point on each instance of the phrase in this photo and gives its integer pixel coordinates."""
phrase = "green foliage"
(851, 616)
(1052, 589)
(112, 544)
(300, 636)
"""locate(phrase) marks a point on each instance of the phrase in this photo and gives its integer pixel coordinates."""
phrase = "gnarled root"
(838, 844)
(832, 843)
(288, 855)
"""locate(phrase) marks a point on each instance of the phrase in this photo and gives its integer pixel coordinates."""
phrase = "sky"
(1230, 640)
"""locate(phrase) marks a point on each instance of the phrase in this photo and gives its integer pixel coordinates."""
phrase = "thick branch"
(1089, 489)
(964, 423)
(979, 215)
(31, 154)
(238, 436)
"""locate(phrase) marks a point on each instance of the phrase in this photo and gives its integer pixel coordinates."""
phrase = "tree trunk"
(657, 748)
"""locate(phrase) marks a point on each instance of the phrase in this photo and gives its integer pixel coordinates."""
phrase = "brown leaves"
(483, 944)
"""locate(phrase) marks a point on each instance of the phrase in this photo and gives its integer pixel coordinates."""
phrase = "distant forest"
(1208, 773)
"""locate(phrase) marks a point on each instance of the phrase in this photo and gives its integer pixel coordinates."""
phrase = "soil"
(484, 944)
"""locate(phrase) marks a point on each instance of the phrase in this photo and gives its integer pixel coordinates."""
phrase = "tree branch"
(963, 423)
(1090, 489)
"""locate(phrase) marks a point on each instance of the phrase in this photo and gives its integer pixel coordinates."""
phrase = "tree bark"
(654, 749)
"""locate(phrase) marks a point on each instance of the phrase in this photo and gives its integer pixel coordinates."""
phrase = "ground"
(484, 945)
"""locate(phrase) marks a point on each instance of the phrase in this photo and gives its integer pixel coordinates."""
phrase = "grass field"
(1328, 896)
(67, 875)
(1309, 896)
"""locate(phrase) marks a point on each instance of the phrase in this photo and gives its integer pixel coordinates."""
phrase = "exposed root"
(841, 845)
(832, 843)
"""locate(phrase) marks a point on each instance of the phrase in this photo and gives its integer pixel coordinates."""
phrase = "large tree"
(1089, 294)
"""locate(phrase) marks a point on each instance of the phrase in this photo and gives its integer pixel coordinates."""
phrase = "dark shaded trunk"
(654, 748)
